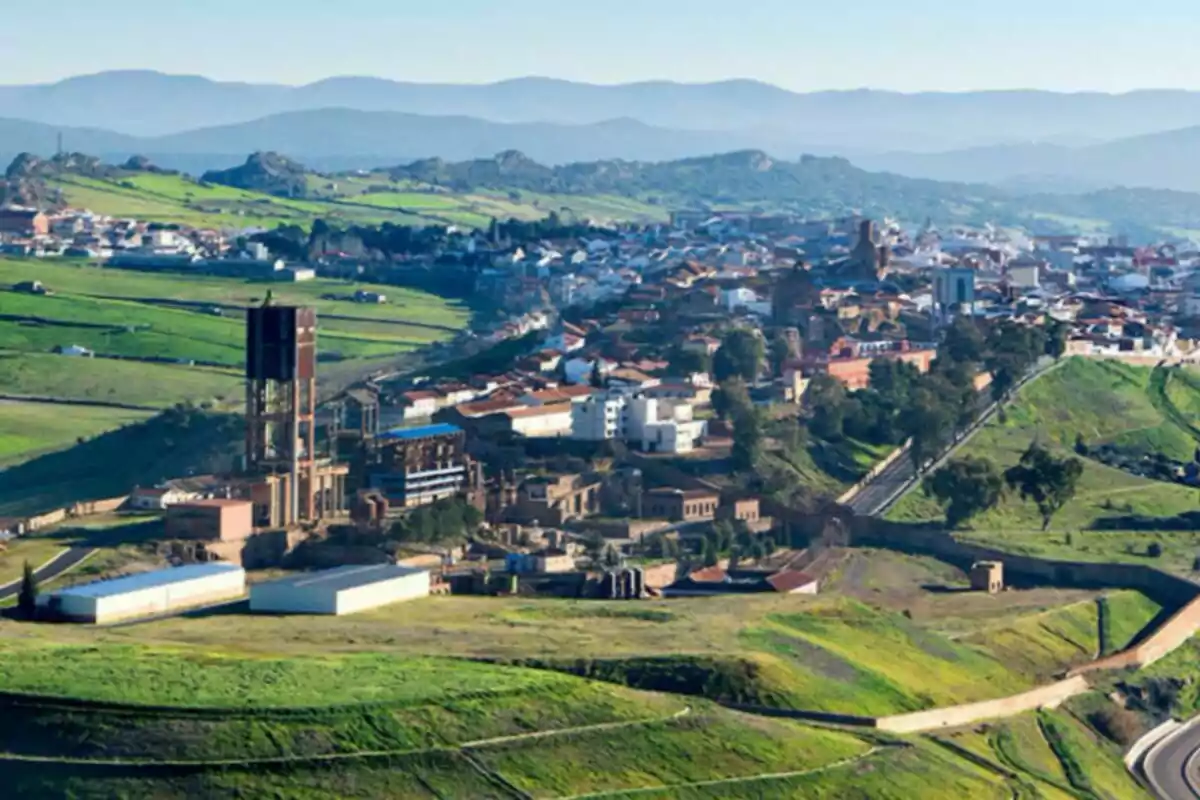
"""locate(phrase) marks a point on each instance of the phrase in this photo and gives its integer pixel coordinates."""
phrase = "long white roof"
(148, 580)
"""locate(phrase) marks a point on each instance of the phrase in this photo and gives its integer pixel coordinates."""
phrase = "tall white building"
(646, 423)
(599, 418)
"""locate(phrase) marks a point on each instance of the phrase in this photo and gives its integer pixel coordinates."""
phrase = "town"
(639, 417)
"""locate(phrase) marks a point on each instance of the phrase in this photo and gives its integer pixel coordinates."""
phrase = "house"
(744, 510)
(24, 222)
(544, 562)
(210, 520)
(420, 404)
(717, 581)
(157, 498)
(540, 422)
(559, 499)
(680, 505)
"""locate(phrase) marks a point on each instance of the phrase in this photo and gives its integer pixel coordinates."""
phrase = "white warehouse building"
(344, 590)
(147, 594)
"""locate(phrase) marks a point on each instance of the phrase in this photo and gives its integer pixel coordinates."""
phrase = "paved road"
(51, 569)
(1171, 766)
(878, 495)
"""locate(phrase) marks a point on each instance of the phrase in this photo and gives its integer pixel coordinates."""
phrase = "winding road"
(1173, 765)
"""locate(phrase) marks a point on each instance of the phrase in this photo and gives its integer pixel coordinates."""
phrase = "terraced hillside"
(102, 721)
(1139, 410)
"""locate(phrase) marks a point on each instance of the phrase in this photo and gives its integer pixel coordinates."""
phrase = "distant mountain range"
(1024, 141)
(341, 139)
(144, 103)
(1165, 160)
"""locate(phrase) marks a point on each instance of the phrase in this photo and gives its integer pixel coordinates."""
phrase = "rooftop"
(148, 580)
(219, 502)
(336, 580)
(422, 432)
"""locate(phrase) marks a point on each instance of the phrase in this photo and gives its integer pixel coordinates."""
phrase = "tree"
(686, 362)
(708, 553)
(1050, 482)
(612, 558)
(792, 435)
(965, 487)
(928, 422)
(827, 398)
(27, 597)
(1056, 338)
(731, 399)
(781, 353)
(747, 439)
(741, 354)
(963, 342)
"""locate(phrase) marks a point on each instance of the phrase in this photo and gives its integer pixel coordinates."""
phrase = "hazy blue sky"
(908, 45)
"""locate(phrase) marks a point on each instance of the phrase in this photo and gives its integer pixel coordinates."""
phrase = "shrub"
(1116, 724)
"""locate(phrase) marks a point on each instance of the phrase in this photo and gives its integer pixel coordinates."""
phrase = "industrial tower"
(281, 400)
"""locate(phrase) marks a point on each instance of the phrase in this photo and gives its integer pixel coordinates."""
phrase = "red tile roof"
(789, 580)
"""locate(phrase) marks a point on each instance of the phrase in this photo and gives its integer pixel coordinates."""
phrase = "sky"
(803, 45)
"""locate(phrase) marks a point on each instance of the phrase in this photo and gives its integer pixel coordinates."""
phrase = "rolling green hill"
(213, 722)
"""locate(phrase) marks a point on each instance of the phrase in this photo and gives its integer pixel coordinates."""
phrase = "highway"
(51, 569)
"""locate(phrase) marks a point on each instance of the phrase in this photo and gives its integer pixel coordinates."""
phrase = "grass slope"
(1104, 402)
(28, 430)
(823, 653)
(107, 381)
(142, 452)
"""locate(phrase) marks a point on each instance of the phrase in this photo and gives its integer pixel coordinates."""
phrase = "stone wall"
(1163, 587)
(954, 716)
(1169, 636)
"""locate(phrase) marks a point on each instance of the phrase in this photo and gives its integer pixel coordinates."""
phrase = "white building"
(647, 423)
(599, 418)
(660, 426)
(541, 422)
(148, 594)
(158, 498)
(344, 590)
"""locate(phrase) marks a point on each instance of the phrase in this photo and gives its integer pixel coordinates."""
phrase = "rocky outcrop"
(269, 173)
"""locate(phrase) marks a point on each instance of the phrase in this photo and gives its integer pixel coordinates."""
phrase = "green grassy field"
(109, 381)
(343, 200)
(1105, 402)
(823, 653)
(28, 430)
(1054, 754)
(113, 459)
